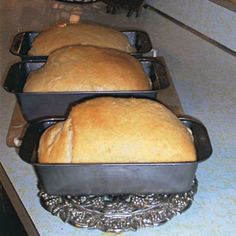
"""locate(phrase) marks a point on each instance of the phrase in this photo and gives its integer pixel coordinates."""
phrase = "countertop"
(205, 78)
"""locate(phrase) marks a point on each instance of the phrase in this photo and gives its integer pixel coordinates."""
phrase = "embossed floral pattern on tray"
(118, 213)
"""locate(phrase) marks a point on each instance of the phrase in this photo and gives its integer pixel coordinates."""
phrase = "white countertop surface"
(205, 78)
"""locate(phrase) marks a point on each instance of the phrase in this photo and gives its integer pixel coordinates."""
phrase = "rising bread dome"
(117, 130)
(82, 33)
(88, 68)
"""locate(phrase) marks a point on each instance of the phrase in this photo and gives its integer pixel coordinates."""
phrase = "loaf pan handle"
(31, 137)
(160, 69)
(144, 44)
(14, 81)
(162, 73)
(17, 43)
(200, 135)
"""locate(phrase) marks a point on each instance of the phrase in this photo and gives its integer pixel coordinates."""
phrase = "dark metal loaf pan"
(22, 43)
(38, 105)
(141, 178)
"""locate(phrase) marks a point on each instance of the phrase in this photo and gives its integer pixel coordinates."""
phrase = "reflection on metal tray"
(118, 213)
(22, 43)
(120, 178)
(45, 104)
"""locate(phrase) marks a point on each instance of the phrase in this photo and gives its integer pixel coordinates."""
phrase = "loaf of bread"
(88, 68)
(82, 33)
(117, 130)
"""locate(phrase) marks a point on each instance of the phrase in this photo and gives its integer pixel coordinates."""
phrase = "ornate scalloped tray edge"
(111, 213)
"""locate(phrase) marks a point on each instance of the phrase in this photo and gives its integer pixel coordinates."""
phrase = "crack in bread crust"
(55, 144)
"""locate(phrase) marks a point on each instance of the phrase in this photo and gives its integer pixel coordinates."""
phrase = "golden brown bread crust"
(57, 139)
(120, 130)
(82, 33)
(88, 68)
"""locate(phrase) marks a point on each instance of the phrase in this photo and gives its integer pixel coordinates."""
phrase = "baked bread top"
(88, 68)
(81, 33)
(117, 130)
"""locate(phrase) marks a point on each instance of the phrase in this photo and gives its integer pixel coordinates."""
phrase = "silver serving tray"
(117, 214)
